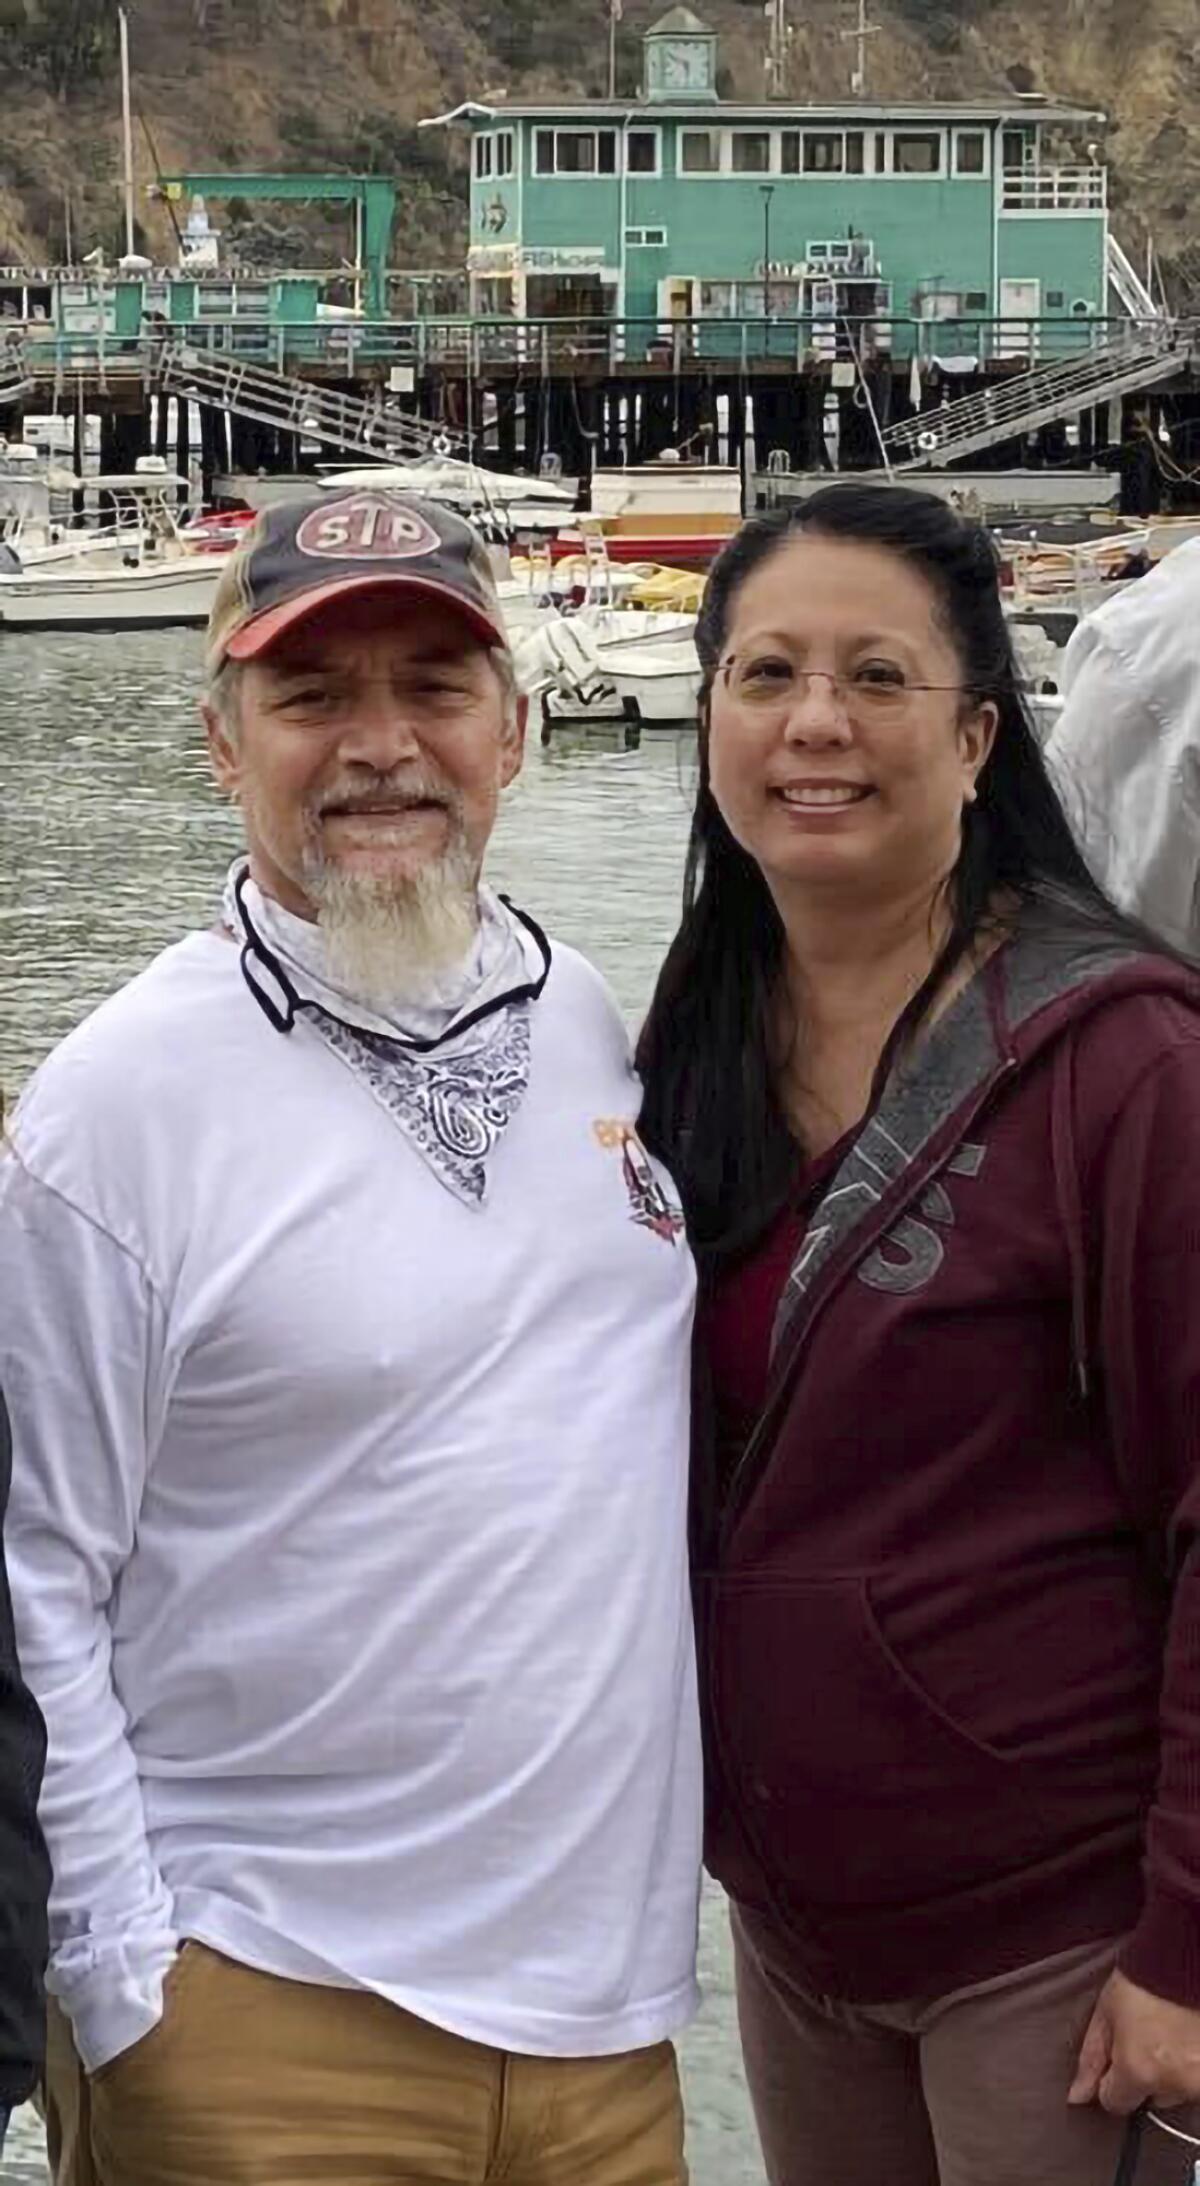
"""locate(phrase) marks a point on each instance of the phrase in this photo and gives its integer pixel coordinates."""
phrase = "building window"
(641, 156)
(504, 154)
(716, 299)
(917, 152)
(750, 151)
(975, 300)
(645, 238)
(1055, 299)
(855, 148)
(575, 152)
(483, 158)
(699, 152)
(789, 151)
(823, 153)
(970, 152)
(882, 163)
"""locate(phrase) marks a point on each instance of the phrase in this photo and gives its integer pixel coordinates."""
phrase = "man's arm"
(24, 1866)
(81, 1333)
(1144, 2038)
(1129, 781)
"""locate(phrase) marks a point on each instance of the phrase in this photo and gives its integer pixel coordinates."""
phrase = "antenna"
(860, 34)
(126, 130)
(779, 39)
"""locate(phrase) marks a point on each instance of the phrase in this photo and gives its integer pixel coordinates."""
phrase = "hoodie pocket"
(853, 1785)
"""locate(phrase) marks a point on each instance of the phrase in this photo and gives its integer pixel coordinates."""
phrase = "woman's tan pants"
(253, 2081)
(964, 2090)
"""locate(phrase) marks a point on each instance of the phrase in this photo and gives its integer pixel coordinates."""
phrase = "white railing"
(1129, 285)
(1054, 190)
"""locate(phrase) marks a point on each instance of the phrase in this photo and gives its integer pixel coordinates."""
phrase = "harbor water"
(113, 842)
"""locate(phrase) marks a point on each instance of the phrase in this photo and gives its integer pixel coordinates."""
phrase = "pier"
(265, 393)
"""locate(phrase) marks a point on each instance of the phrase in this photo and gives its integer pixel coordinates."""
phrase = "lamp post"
(768, 191)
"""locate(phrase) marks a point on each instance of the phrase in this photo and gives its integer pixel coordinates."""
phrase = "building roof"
(679, 23)
(851, 113)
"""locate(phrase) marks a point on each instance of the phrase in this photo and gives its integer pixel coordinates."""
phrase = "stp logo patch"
(367, 527)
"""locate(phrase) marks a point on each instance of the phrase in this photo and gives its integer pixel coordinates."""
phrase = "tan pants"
(970, 2090)
(253, 2081)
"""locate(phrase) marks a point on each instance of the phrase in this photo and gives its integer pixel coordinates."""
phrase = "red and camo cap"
(297, 555)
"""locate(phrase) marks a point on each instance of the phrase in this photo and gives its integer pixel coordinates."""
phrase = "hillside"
(341, 84)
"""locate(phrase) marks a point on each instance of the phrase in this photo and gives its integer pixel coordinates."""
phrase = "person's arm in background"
(81, 1341)
(1143, 2042)
(1125, 758)
(24, 1865)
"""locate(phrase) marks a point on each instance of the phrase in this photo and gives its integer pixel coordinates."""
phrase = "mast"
(127, 129)
(859, 36)
(779, 38)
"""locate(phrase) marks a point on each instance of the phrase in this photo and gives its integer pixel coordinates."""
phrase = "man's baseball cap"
(297, 555)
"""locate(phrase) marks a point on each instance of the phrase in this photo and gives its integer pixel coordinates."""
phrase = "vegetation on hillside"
(341, 85)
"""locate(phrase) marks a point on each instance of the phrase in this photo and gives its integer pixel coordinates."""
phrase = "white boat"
(627, 666)
(138, 574)
(148, 596)
(501, 504)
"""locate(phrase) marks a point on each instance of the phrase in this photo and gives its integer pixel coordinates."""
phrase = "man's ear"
(513, 756)
(222, 750)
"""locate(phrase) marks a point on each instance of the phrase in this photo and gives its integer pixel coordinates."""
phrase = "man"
(346, 1330)
(1125, 752)
(24, 1867)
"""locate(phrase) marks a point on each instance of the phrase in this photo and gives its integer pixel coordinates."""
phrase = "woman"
(935, 1110)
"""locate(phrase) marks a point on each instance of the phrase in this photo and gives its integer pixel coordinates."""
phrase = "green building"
(977, 228)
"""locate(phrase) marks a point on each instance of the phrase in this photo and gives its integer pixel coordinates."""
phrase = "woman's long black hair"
(708, 1049)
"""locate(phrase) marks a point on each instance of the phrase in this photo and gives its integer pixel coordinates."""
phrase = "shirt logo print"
(650, 1207)
(910, 1254)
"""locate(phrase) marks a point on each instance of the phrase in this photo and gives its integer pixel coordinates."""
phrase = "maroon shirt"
(952, 1694)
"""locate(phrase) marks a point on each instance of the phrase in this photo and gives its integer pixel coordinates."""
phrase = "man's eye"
(308, 696)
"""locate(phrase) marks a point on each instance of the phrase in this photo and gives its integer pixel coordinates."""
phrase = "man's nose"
(382, 731)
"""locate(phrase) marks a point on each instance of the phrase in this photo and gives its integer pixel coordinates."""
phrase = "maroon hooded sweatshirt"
(950, 1599)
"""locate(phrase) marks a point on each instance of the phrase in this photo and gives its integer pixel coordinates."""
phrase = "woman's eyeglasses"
(874, 691)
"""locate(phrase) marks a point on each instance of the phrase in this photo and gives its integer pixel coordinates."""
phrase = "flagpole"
(126, 129)
(614, 11)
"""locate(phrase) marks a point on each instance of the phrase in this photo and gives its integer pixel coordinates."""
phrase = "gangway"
(1128, 286)
(1020, 405)
(14, 373)
(348, 423)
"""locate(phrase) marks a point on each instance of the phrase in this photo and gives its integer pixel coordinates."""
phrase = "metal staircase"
(345, 422)
(1128, 286)
(1020, 405)
(14, 373)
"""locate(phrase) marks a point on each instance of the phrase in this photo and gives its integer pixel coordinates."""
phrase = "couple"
(347, 1329)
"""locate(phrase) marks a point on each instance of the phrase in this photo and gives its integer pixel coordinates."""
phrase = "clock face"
(685, 67)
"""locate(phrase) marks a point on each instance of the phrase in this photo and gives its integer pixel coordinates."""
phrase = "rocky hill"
(341, 84)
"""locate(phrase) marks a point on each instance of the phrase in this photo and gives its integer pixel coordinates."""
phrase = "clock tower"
(681, 58)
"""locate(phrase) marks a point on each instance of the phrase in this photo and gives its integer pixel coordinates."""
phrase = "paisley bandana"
(455, 1104)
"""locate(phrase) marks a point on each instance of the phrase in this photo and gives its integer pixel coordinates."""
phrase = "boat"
(669, 511)
(138, 574)
(502, 505)
(620, 665)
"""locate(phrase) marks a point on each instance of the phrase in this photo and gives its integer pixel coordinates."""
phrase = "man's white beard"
(389, 938)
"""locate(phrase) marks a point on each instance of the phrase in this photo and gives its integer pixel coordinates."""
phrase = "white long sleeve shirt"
(1125, 752)
(347, 1533)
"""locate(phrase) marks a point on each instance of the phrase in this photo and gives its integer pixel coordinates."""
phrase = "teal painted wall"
(1064, 253)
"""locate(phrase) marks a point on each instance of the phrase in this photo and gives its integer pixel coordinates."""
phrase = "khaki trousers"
(253, 2081)
(970, 2090)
